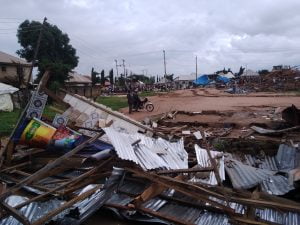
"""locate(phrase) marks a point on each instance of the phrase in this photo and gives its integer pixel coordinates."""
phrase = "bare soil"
(213, 99)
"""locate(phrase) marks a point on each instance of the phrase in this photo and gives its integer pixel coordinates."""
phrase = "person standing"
(136, 100)
(130, 101)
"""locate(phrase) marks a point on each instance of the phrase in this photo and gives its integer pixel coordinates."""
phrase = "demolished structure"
(92, 157)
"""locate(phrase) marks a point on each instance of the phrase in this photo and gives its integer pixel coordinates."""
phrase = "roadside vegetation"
(8, 120)
(114, 102)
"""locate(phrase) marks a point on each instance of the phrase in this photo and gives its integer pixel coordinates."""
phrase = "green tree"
(94, 77)
(170, 77)
(55, 53)
(102, 79)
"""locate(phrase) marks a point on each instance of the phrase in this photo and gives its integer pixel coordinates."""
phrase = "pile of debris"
(282, 80)
(90, 157)
(278, 80)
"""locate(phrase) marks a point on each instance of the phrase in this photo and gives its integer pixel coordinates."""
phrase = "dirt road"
(212, 99)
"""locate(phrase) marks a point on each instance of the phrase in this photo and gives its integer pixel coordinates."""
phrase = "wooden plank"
(203, 193)
(185, 188)
(212, 160)
(164, 216)
(199, 205)
(70, 182)
(15, 166)
(66, 205)
(191, 170)
(10, 146)
(152, 191)
(17, 215)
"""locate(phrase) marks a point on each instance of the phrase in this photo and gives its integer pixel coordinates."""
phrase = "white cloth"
(6, 103)
(7, 89)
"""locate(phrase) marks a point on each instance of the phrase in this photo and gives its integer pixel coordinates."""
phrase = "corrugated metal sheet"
(285, 218)
(86, 207)
(186, 213)
(204, 161)
(271, 215)
(287, 157)
(193, 214)
(149, 153)
(87, 115)
(245, 177)
(209, 218)
(33, 211)
(276, 185)
(261, 161)
(78, 78)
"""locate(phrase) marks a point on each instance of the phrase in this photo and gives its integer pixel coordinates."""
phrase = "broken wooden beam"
(190, 170)
(66, 205)
(15, 213)
(37, 175)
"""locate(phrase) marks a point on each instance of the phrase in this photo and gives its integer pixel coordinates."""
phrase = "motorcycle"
(146, 104)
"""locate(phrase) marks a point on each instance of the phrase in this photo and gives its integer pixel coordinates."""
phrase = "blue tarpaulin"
(223, 79)
(202, 80)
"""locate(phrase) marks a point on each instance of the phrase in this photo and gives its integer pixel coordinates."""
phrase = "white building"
(184, 81)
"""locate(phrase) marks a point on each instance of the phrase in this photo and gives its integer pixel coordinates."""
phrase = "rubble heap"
(91, 157)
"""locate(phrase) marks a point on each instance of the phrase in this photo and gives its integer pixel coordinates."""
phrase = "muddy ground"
(212, 99)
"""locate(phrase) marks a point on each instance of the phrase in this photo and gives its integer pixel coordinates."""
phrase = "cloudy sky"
(256, 33)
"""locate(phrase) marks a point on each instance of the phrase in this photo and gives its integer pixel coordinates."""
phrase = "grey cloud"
(258, 33)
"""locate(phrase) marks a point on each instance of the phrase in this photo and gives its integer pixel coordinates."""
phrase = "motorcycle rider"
(130, 101)
(136, 100)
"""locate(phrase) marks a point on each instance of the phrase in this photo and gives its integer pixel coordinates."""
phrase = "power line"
(20, 28)
(9, 22)
(21, 31)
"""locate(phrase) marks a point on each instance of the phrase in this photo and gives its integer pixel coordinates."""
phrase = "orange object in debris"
(37, 133)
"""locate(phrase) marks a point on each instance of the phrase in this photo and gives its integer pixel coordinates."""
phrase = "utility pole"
(165, 63)
(36, 50)
(93, 80)
(124, 66)
(117, 67)
(196, 68)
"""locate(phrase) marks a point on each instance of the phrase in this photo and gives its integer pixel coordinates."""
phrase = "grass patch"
(10, 119)
(113, 102)
(147, 93)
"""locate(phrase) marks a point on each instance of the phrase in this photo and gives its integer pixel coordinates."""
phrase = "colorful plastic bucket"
(37, 134)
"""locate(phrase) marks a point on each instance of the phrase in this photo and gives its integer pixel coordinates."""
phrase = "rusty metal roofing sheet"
(149, 153)
(204, 161)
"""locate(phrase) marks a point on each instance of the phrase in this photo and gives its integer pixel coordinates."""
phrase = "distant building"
(13, 70)
(184, 81)
(82, 85)
(249, 73)
(281, 67)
